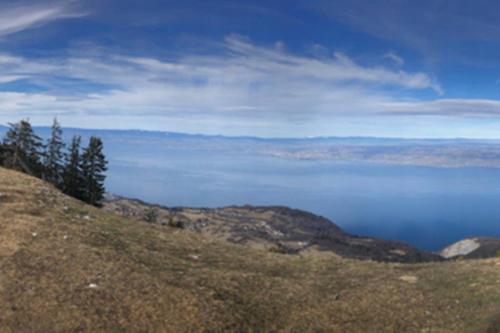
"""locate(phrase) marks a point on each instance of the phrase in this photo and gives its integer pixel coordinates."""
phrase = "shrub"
(279, 248)
(151, 215)
(176, 223)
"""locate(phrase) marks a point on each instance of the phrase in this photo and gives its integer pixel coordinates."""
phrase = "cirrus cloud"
(245, 88)
(18, 17)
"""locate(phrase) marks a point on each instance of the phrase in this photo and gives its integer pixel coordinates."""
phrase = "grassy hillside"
(273, 227)
(68, 267)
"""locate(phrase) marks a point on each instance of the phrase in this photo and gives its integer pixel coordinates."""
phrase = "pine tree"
(53, 159)
(80, 175)
(72, 174)
(93, 167)
(11, 146)
(23, 149)
(3, 154)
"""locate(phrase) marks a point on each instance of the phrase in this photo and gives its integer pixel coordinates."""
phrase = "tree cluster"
(78, 172)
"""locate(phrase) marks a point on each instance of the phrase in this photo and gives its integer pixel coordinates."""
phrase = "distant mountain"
(279, 229)
(415, 152)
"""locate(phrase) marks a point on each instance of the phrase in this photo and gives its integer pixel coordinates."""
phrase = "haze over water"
(428, 207)
(274, 69)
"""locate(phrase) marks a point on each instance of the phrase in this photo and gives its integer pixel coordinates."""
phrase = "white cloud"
(244, 89)
(338, 68)
(21, 17)
(396, 59)
(10, 78)
(445, 107)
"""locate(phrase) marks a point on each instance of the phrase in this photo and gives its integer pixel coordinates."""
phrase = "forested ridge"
(78, 172)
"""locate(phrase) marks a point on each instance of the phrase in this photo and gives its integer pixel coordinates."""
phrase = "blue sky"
(265, 68)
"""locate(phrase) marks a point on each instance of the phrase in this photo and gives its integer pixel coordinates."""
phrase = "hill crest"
(273, 227)
(70, 267)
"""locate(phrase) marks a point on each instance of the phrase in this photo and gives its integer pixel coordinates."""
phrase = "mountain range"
(458, 152)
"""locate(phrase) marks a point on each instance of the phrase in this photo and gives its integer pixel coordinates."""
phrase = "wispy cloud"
(339, 68)
(16, 18)
(438, 30)
(245, 87)
(394, 58)
(478, 108)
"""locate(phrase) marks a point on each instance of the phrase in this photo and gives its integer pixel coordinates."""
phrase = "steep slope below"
(68, 267)
(280, 228)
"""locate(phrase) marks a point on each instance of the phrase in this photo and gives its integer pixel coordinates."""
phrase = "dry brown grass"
(158, 279)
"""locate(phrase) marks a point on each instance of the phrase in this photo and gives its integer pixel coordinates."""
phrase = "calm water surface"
(426, 207)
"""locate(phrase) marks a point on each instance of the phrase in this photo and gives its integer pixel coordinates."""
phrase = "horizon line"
(270, 138)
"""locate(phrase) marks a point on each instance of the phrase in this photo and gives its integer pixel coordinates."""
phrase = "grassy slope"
(283, 228)
(154, 279)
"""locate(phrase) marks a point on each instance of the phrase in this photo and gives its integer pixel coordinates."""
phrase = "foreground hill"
(68, 267)
(277, 228)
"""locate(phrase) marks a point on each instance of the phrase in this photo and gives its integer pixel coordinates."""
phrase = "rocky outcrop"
(460, 248)
(473, 248)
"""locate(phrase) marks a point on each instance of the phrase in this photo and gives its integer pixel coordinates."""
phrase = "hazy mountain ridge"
(433, 155)
(418, 152)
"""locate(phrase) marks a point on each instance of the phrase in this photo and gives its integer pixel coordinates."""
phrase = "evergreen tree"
(53, 159)
(11, 146)
(79, 175)
(23, 148)
(93, 167)
(3, 154)
(72, 174)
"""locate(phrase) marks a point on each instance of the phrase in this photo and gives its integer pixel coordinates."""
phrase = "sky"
(281, 68)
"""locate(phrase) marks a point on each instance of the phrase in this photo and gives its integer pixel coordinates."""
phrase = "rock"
(409, 278)
(473, 248)
(92, 286)
(461, 248)
(398, 252)
(34, 234)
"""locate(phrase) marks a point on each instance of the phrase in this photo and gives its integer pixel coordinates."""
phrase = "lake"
(428, 207)
(423, 206)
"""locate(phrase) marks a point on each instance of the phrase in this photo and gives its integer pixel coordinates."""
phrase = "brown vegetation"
(279, 229)
(69, 267)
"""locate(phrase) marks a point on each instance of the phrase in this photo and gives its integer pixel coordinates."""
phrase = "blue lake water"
(426, 207)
